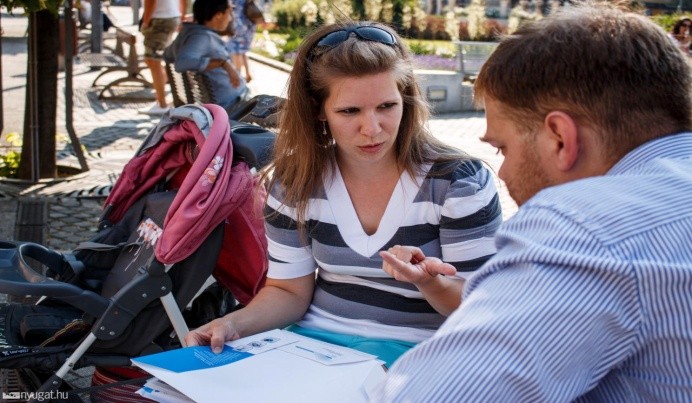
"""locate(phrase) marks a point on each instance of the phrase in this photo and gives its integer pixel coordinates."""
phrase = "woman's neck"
(386, 169)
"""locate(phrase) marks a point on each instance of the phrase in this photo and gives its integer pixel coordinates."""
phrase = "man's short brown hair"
(609, 69)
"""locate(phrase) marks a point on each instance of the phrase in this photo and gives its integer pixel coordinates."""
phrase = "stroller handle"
(18, 277)
(252, 143)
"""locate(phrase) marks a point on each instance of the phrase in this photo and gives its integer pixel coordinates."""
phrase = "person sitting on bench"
(199, 47)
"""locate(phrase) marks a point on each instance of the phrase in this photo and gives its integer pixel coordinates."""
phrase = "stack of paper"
(159, 391)
(268, 367)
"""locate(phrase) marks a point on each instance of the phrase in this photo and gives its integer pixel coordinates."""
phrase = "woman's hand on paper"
(214, 334)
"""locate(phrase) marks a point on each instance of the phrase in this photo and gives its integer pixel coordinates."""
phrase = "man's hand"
(233, 75)
(409, 264)
(214, 334)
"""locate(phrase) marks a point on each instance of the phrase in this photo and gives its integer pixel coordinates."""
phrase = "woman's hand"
(278, 304)
(409, 264)
(214, 334)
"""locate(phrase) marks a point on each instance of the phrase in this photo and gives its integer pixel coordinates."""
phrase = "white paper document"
(274, 366)
(158, 391)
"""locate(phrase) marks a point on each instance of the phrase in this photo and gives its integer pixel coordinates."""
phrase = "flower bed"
(432, 62)
(427, 55)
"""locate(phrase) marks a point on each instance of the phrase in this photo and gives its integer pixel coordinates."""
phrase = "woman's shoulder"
(278, 192)
(457, 169)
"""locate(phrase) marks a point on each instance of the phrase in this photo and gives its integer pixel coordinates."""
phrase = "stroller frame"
(113, 314)
(151, 283)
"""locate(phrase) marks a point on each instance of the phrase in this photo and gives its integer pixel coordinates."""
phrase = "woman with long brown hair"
(356, 175)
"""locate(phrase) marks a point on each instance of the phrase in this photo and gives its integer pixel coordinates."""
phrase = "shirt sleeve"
(193, 54)
(470, 216)
(543, 321)
(289, 256)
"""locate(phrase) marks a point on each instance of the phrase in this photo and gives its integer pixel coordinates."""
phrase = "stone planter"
(445, 90)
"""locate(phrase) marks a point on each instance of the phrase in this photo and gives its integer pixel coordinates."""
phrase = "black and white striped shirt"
(452, 216)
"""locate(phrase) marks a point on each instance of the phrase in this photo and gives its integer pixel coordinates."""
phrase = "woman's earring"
(324, 127)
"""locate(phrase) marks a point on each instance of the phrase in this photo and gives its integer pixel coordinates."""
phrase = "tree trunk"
(43, 44)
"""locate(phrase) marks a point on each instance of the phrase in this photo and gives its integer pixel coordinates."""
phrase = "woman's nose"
(370, 124)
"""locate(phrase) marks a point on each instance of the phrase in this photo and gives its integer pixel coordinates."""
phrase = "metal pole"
(2, 107)
(69, 23)
(135, 4)
(96, 26)
(33, 96)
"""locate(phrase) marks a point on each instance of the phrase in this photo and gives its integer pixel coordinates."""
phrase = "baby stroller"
(184, 208)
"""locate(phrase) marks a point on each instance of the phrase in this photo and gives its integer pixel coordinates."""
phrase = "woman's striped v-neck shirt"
(452, 216)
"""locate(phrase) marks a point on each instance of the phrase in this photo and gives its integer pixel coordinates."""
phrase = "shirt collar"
(671, 146)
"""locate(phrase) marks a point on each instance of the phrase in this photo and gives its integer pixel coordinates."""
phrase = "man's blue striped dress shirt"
(589, 297)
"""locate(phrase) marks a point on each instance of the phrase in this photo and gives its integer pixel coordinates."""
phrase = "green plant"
(427, 47)
(288, 13)
(31, 6)
(420, 48)
(295, 37)
(9, 162)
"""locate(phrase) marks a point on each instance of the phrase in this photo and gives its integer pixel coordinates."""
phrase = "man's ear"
(563, 136)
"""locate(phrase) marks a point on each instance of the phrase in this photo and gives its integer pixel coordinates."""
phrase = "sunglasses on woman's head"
(364, 32)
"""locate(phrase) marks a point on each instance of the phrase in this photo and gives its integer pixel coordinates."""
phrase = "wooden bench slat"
(101, 60)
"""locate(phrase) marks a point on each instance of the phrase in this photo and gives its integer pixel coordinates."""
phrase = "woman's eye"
(349, 111)
(388, 105)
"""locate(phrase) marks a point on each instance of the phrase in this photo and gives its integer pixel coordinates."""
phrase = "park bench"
(192, 87)
(124, 59)
(471, 56)
(84, 34)
(189, 87)
(84, 40)
(179, 90)
(199, 88)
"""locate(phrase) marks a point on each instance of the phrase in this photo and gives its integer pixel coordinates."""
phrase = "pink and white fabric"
(210, 192)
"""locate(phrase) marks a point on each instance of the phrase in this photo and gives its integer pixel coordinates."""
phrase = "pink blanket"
(211, 191)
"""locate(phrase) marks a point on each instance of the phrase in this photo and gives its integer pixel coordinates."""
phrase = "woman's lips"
(371, 148)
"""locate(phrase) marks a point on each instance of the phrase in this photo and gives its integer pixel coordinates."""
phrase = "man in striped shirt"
(589, 297)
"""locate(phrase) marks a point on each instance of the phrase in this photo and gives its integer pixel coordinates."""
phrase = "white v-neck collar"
(347, 220)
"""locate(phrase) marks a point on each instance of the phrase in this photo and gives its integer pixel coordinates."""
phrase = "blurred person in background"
(681, 34)
(199, 47)
(239, 44)
(160, 20)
